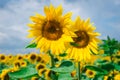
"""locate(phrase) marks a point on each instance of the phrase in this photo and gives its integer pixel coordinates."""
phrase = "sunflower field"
(69, 50)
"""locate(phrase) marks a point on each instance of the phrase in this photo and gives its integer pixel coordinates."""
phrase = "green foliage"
(96, 69)
(63, 69)
(23, 72)
(110, 46)
(66, 64)
(108, 67)
(65, 76)
(3, 66)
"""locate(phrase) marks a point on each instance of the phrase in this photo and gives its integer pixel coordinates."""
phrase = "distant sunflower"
(23, 63)
(42, 71)
(117, 77)
(32, 57)
(40, 66)
(48, 74)
(4, 74)
(17, 64)
(19, 57)
(34, 78)
(85, 42)
(3, 58)
(90, 73)
(50, 32)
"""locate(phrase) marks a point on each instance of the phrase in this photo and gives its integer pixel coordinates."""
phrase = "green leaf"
(66, 63)
(117, 67)
(108, 66)
(63, 69)
(53, 75)
(65, 76)
(23, 72)
(32, 45)
(101, 61)
(97, 69)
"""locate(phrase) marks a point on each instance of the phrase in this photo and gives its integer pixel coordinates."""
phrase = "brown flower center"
(82, 40)
(2, 57)
(52, 30)
(33, 57)
(90, 73)
(40, 67)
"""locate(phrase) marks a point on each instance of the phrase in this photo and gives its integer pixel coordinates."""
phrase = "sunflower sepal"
(32, 45)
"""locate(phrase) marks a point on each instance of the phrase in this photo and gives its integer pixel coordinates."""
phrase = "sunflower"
(48, 74)
(23, 63)
(50, 32)
(3, 58)
(4, 74)
(32, 58)
(106, 77)
(40, 66)
(85, 43)
(17, 64)
(42, 71)
(34, 78)
(45, 58)
(117, 77)
(90, 73)
(19, 57)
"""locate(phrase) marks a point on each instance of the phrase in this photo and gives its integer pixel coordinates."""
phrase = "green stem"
(79, 75)
(112, 61)
(52, 60)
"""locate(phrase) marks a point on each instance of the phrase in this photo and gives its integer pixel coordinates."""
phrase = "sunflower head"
(34, 78)
(4, 74)
(117, 77)
(48, 74)
(19, 57)
(32, 57)
(86, 41)
(51, 29)
(40, 66)
(42, 71)
(23, 63)
(90, 73)
(38, 59)
(3, 58)
(17, 64)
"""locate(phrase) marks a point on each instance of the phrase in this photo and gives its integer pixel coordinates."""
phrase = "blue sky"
(14, 17)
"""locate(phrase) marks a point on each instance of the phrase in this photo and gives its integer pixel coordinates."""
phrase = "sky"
(14, 17)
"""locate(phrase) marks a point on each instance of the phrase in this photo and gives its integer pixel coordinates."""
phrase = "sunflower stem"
(52, 59)
(79, 75)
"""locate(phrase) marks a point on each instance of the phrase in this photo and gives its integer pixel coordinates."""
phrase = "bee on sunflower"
(50, 32)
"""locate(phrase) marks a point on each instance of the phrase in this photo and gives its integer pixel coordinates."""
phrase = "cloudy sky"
(14, 17)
